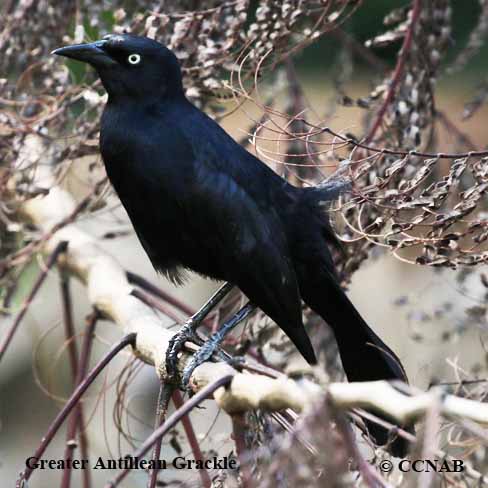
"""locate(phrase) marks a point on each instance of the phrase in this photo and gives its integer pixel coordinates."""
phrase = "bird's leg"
(212, 343)
(188, 331)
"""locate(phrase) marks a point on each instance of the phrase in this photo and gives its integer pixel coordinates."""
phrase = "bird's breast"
(151, 174)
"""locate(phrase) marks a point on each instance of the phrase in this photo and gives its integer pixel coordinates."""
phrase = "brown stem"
(150, 301)
(239, 432)
(69, 332)
(192, 439)
(385, 424)
(11, 289)
(146, 285)
(71, 403)
(395, 152)
(398, 73)
(370, 477)
(363, 52)
(35, 245)
(462, 137)
(174, 418)
(138, 280)
(60, 248)
(83, 369)
(76, 420)
(69, 329)
(165, 390)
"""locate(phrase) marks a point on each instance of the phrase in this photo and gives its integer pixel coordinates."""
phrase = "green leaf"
(107, 17)
(91, 31)
(77, 70)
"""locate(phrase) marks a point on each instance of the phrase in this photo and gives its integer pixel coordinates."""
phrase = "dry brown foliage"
(408, 196)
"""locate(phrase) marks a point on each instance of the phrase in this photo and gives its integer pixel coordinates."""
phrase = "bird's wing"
(245, 237)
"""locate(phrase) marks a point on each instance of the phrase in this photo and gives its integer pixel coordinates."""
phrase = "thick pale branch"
(110, 292)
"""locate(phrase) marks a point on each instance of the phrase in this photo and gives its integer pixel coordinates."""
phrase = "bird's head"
(130, 66)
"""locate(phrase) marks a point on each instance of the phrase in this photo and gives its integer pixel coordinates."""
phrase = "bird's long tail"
(365, 357)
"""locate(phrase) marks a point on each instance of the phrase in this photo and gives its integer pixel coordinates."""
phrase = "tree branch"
(110, 292)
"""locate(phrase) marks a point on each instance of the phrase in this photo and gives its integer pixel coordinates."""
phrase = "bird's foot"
(209, 347)
(205, 353)
(186, 333)
(212, 344)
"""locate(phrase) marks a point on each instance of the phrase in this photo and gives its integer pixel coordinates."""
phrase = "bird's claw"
(236, 361)
(212, 344)
(186, 333)
(203, 354)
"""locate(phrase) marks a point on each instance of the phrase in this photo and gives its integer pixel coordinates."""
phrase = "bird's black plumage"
(200, 201)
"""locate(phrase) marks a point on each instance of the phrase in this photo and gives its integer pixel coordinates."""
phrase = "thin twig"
(82, 372)
(197, 317)
(69, 329)
(361, 50)
(281, 419)
(129, 339)
(396, 152)
(369, 474)
(138, 280)
(430, 442)
(462, 137)
(158, 305)
(398, 73)
(70, 218)
(76, 421)
(192, 439)
(239, 431)
(60, 248)
(174, 418)
(164, 395)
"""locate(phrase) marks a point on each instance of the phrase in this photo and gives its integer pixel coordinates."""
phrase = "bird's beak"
(92, 53)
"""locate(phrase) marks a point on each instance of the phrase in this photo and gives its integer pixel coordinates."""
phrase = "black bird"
(200, 201)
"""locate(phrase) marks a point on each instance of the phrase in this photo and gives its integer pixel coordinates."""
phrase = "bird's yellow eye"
(134, 59)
